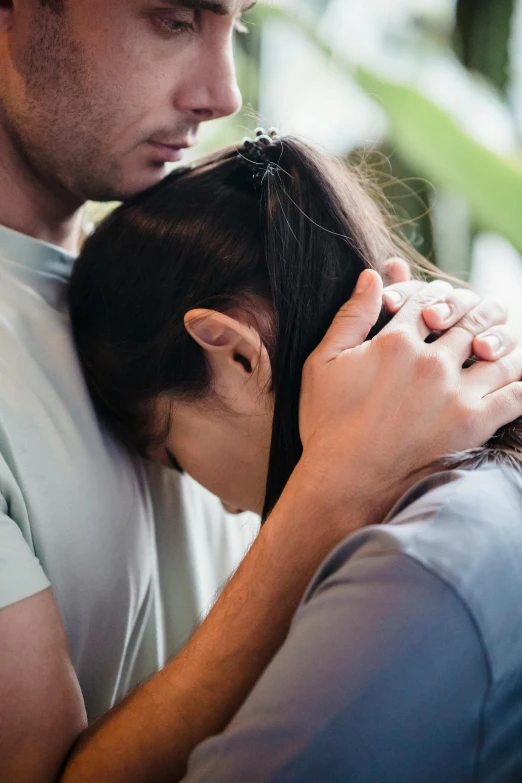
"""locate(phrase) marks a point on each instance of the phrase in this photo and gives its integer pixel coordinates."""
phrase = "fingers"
(396, 270)
(397, 295)
(494, 344)
(444, 314)
(411, 313)
(439, 315)
(504, 406)
(356, 318)
(480, 319)
(447, 312)
(489, 377)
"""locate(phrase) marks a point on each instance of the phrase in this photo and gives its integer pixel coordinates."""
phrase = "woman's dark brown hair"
(284, 247)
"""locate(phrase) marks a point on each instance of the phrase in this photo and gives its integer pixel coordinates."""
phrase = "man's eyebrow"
(214, 6)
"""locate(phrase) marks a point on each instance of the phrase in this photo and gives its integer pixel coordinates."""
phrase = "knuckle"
(504, 369)
(509, 401)
(515, 392)
(309, 365)
(465, 410)
(463, 299)
(498, 310)
(433, 293)
(504, 334)
(397, 342)
(477, 320)
(426, 298)
(509, 367)
(494, 311)
(434, 365)
(466, 418)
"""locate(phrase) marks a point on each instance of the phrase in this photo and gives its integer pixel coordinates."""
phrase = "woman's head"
(195, 305)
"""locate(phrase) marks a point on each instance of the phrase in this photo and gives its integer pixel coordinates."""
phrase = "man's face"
(96, 98)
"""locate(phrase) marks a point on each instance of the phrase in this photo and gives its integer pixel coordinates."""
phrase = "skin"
(84, 94)
(232, 427)
(80, 99)
(224, 441)
(208, 440)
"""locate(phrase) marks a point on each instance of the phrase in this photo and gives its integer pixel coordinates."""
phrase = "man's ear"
(6, 15)
(234, 350)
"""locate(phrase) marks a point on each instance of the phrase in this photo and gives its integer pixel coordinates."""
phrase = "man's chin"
(128, 188)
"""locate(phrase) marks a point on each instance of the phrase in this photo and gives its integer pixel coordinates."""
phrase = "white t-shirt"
(134, 553)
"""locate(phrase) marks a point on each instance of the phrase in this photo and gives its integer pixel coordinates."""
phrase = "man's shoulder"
(39, 369)
(31, 318)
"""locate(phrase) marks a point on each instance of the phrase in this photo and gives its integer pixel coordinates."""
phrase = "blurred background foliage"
(428, 92)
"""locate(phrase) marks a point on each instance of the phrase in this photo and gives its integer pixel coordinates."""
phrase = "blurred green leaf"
(435, 145)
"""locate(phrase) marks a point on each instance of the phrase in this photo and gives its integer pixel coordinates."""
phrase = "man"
(95, 97)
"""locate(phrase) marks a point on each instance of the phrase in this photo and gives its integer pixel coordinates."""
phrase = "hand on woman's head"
(446, 312)
(383, 411)
(286, 248)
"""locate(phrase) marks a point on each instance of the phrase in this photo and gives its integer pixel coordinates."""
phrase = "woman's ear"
(233, 349)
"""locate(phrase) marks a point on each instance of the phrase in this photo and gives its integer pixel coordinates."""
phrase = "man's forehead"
(220, 7)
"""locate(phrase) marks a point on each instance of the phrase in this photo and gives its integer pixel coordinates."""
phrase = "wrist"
(317, 511)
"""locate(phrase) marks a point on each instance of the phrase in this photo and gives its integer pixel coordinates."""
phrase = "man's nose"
(211, 91)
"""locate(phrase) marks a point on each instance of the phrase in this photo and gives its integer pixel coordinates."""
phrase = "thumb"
(356, 318)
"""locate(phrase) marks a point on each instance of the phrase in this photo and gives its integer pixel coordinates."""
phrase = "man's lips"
(168, 153)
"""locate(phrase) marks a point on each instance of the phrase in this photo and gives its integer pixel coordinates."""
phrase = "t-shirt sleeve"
(382, 678)
(21, 574)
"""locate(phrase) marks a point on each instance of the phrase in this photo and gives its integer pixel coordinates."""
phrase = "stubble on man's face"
(86, 99)
(55, 117)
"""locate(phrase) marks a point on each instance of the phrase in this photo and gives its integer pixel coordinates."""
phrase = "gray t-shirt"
(133, 553)
(404, 661)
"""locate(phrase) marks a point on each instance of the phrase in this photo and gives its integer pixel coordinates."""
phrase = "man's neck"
(28, 206)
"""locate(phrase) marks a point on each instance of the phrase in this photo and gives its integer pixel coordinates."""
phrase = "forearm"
(150, 735)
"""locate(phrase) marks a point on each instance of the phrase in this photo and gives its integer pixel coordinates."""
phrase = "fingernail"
(364, 282)
(493, 341)
(442, 309)
(393, 297)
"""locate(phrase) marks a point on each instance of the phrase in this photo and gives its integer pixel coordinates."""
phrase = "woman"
(404, 661)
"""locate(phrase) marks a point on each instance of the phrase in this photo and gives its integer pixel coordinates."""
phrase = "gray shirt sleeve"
(382, 678)
(21, 574)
